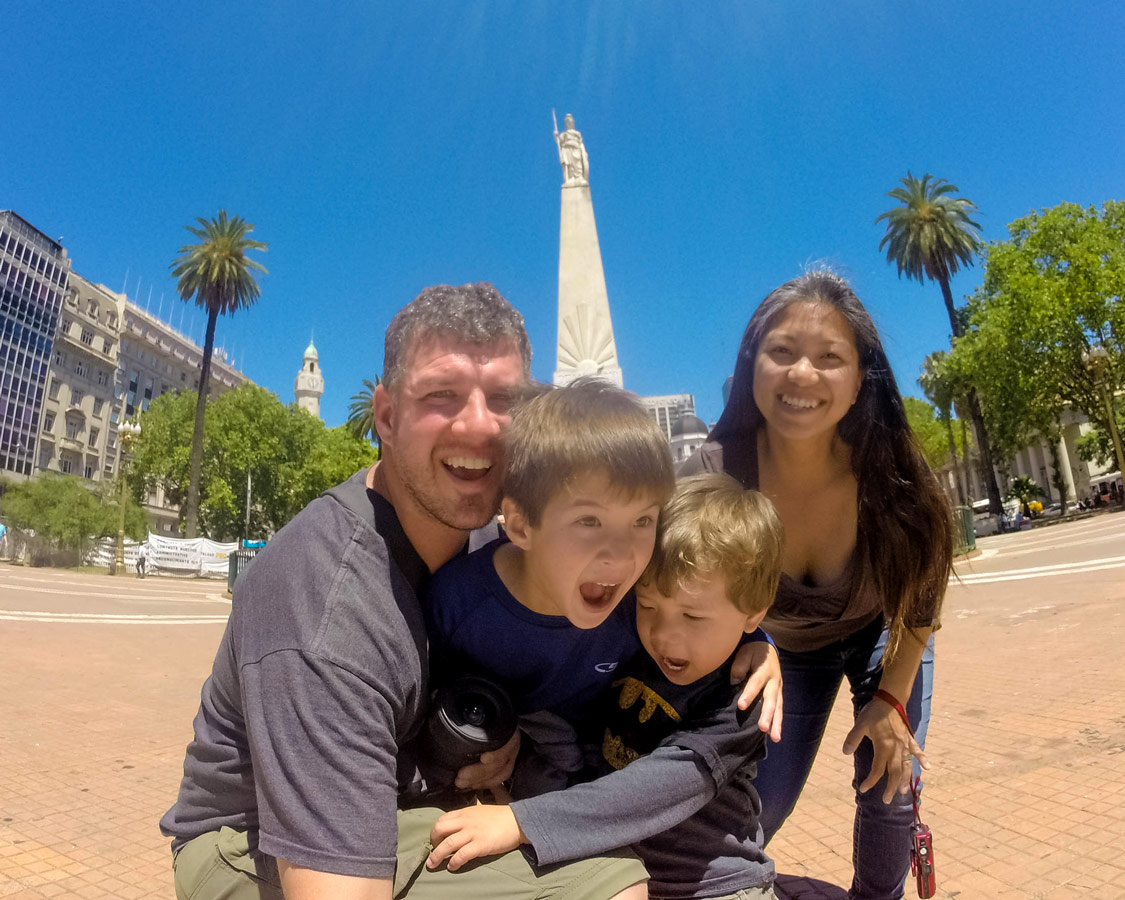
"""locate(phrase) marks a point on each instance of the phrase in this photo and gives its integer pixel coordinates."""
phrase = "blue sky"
(382, 147)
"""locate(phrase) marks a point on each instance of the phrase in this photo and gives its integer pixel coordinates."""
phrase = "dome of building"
(689, 424)
(310, 351)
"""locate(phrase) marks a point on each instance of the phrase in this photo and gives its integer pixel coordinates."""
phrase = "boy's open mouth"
(467, 468)
(673, 665)
(596, 594)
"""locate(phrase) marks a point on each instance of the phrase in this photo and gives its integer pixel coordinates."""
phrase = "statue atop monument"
(586, 345)
(572, 153)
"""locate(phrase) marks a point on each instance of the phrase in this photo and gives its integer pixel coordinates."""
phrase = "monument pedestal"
(586, 345)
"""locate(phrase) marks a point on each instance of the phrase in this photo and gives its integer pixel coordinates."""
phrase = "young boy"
(677, 756)
(587, 470)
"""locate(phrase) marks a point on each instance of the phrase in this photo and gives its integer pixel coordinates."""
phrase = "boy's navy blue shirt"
(545, 663)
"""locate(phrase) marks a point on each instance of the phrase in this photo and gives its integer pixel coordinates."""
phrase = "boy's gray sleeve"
(648, 796)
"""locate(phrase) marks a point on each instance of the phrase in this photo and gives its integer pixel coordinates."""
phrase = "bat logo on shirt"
(632, 690)
(614, 749)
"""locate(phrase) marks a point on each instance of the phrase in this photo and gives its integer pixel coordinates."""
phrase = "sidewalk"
(1026, 797)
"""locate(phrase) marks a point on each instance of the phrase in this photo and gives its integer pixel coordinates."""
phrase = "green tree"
(66, 515)
(927, 427)
(336, 455)
(941, 389)
(286, 454)
(361, 412)
(1051, 292)
(929, 237)
(220, 276)
(1096, 446)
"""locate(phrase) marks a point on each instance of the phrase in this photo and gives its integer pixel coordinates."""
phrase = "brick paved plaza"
(101, 679)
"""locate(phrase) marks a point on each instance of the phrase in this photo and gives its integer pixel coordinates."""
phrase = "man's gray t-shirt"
(320, 677)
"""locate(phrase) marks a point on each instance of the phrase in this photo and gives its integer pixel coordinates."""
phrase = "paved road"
(101, 678)
(1027, 793)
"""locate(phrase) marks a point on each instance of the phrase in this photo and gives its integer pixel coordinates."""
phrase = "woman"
(815, 421)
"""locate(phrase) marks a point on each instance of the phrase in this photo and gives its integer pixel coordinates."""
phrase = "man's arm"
(324, 756)
(308, 884)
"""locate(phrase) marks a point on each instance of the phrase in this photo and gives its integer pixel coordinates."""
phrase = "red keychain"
(922, 839)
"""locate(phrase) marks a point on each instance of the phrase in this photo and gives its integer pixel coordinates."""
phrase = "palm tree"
(929, 237)
(361, 414)
(219, 275)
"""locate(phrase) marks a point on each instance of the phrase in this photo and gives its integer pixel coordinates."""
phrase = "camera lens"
(470, 715)
(472, 711)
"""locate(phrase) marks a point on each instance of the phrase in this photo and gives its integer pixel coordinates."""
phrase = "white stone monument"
(586, 345)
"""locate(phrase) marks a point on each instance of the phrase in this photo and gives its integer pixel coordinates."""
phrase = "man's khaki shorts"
(219, 866)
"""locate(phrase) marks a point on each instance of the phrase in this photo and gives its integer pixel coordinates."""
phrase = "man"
(302, 738)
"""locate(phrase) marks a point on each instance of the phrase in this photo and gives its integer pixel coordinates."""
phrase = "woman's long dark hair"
(904, 547)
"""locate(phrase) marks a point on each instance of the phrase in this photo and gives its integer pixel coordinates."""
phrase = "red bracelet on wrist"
(889, 698)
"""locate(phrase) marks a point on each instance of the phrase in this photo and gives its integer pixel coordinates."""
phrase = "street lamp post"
(127, 433)
(1097, 360)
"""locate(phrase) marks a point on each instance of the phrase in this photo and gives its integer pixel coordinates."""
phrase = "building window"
(72, 428)
(53, 390)
(92, 308)
(48, 421)
(87, 337)
(76, 397)
(66, 465)
(80, 369)
(98, 404)
(103, 376)
(107, 346)
(89, 471)
(58, 358)
(93, 442)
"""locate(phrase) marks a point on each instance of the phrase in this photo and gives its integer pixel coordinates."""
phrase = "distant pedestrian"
(3, 540)
(142, 559)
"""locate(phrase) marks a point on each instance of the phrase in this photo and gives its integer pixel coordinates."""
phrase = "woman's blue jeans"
(881, 838)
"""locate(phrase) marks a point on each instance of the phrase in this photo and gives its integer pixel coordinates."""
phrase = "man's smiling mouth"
(467, 468)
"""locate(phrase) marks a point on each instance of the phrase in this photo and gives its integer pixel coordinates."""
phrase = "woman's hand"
(494, 768)
(759, 659)
(465, 834)
(894, 745)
